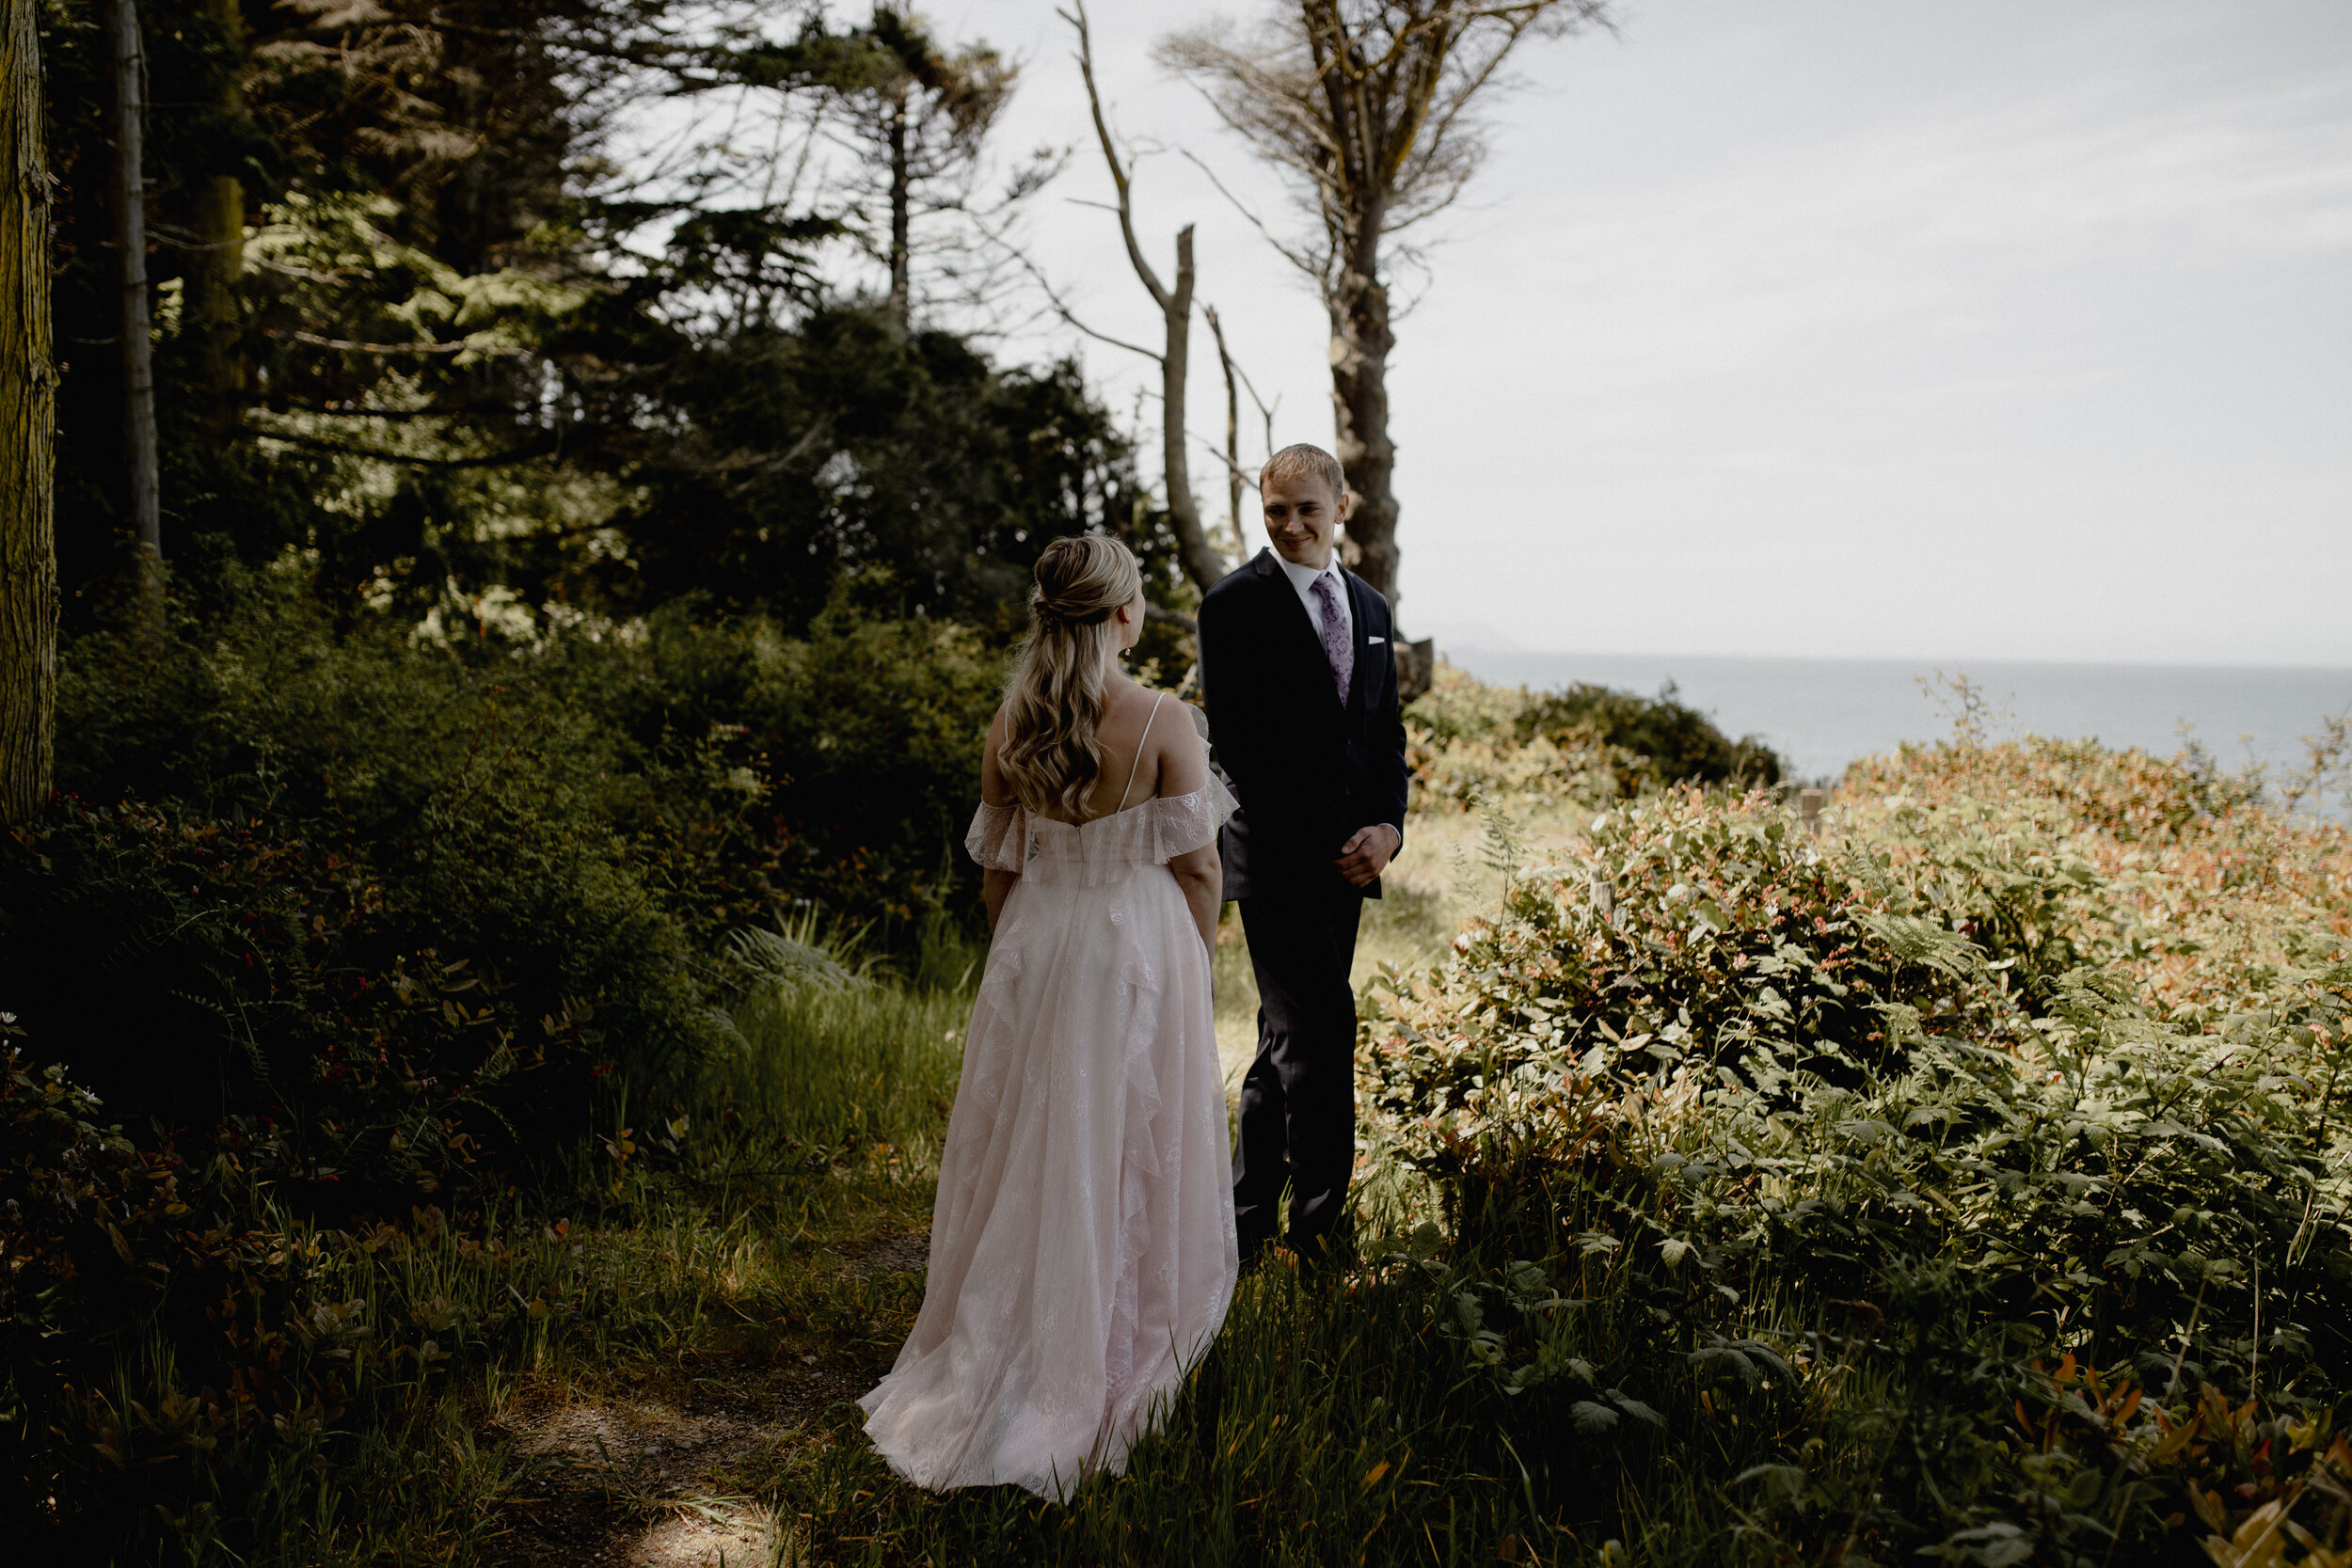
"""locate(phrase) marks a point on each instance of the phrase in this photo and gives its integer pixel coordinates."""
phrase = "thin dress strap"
(1133, 767)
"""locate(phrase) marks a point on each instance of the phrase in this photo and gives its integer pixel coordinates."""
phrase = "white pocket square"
(1376, 639)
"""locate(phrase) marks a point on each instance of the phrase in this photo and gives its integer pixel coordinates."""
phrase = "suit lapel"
(1360, 618)
(1289, 609)
(1285, 609)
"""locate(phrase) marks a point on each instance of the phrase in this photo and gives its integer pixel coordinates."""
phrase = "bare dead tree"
(1369, 107)
(1232, 430)
(1236, 382)
(1202, 561)
(28, 385)
(127, 67)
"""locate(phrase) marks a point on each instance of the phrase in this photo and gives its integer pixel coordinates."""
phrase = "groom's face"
(1302, 516)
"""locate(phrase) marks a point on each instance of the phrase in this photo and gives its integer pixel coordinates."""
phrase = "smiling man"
(1298, 658)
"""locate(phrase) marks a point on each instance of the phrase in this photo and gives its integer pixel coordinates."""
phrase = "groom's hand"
(1363, 857)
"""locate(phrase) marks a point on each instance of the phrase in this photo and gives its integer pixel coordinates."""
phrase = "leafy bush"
(852, 755)
(346, 927)
(193, 975)
(1876, 1133)
(1676, 744)
(69, 1190)
(1471, 743)
(800, 453)
(307, 815)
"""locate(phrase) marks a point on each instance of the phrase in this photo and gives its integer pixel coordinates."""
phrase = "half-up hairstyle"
(1055, 699)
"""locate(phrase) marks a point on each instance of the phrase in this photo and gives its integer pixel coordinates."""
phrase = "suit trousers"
(1299, 1098)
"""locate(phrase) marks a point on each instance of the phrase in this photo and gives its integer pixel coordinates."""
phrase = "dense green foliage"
(344, 925)
(912, 453)
(417, 332)
(1792, 1116)
(198, 1372)
(1474, 744)
(1676, 743)
(1965, 1187)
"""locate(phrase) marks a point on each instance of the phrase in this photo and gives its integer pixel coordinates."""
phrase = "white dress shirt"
(1303, 579)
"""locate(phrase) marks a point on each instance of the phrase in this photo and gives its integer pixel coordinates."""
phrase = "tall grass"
(383, 1434)
(829, 1051)
(1350, 1421)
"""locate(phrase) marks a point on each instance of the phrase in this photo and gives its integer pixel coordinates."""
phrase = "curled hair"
(1056, 696)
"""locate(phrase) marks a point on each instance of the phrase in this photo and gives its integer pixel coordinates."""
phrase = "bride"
(1082, 1246)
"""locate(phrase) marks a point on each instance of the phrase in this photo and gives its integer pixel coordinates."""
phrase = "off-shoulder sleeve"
(998, 837)
(1183, 823)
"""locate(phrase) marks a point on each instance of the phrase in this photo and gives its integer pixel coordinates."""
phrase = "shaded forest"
(417, 328)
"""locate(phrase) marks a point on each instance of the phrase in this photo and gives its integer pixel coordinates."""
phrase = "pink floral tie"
(1337, 647)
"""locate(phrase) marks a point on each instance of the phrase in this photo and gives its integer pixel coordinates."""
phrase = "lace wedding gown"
(1082, 1247)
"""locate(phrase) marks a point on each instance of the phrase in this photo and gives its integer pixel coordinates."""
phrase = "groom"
(1297, 659)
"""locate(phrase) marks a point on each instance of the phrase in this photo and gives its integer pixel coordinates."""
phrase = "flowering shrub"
(1866, 1132)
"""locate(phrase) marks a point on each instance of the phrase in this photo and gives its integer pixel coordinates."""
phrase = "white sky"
(1910, 328)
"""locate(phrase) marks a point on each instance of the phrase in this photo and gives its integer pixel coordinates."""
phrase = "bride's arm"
(1185, 767)
(996, 886)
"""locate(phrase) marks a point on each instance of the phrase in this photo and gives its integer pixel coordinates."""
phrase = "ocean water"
(1820, 714)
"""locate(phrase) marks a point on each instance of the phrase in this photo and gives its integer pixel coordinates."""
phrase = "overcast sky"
(1931, 330)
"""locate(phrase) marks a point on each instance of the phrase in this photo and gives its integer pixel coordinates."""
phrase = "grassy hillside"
(1967, 1184)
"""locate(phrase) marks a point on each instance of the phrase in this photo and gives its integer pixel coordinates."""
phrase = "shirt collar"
(1303, 577)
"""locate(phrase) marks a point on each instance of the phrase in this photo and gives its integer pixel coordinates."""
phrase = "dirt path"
(661, 1473)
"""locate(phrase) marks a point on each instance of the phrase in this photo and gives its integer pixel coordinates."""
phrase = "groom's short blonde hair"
(1299, 462)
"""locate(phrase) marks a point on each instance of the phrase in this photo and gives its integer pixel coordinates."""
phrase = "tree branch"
(350, 347)
(1312, 266)
(1053, 297)
(487, 460)
(1120, 176)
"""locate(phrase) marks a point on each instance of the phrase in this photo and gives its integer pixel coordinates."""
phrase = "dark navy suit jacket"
(1309, 768)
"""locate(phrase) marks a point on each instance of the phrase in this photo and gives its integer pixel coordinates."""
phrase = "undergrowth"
(344, 1405)
(1969, 1185)
(1966, 1184)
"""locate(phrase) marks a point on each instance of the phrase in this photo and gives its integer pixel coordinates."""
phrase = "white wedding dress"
(1083, 1251)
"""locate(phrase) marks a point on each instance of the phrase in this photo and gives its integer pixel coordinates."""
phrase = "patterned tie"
(1336, 644)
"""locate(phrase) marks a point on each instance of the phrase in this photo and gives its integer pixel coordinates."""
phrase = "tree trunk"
(1200, 558)
(213, 315)
(1361, 341)
(28, 558)
(141, 490)
(1233, 435)
(901, 217)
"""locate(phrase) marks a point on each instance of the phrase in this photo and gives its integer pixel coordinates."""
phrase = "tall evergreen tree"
(28, 563)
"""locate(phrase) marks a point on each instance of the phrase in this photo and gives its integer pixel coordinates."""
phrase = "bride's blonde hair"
(1055, 699)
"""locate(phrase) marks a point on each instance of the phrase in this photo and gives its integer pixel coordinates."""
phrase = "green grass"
(714, 1249)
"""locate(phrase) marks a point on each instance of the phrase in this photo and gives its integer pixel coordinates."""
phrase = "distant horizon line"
(1960, 664)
